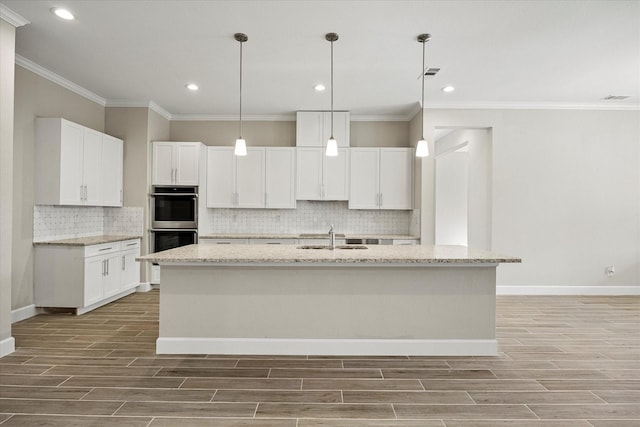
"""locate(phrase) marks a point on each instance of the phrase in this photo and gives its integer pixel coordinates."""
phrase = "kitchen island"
(287, 299)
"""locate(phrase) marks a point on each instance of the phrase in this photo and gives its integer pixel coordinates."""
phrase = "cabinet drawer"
(129, 244)
(103, 249)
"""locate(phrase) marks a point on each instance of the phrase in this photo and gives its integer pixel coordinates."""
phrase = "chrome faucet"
(332, 237)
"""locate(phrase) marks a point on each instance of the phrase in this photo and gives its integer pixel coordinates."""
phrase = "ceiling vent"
(614, 97)
(431, 71)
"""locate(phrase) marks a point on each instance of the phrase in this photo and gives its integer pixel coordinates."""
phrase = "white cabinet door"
(364, 171)
(163, 169)
(187, 163)
(71, 186)
(111, 171)
(129, 267)
(91, 160)
(250, 187)
(309, 173)
(280, 178)
(313, 128)
(111, 278)
(221, 171)
(396, 178)
(93, 274)
(341, 128)
(309, 128)
(335, 176)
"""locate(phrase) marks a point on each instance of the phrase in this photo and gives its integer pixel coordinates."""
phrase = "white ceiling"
(496, 53)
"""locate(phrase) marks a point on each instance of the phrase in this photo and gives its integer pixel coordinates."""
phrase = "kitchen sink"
(329, 247)
(319, 236)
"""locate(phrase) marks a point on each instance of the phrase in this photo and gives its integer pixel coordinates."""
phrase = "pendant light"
(241, 145)
(422, 149)
(332, 145)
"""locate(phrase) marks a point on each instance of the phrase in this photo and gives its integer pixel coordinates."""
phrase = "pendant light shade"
(332, 144)
(422, 149)
(241, 145)
(332, 147)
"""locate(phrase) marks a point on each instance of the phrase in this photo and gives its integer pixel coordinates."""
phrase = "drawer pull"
(104, 249)
(132, 244)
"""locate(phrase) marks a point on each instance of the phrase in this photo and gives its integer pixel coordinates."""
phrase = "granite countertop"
(308, 236)
(88, 241)
(289, 254)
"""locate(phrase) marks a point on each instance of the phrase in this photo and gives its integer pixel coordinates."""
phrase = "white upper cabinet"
(320, 177)
(261, 179)
(175, 163)
(313, 128)
(72, 163)
(381, 178)
(111, 171)
(280, 181)
(250, 179)
(221, 172)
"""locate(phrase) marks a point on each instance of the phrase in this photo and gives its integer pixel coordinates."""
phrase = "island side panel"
(326, 303)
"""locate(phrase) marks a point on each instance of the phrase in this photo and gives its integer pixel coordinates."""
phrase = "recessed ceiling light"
(448, 89)
(319, 87)
(63, 13)
(192, 86)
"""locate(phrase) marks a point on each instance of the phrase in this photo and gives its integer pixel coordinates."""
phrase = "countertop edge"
(88, 240)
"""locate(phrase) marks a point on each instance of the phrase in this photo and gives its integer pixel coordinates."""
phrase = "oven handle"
(174, 229)
(174, 194)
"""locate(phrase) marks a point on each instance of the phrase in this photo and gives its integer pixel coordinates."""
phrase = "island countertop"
(291, 254)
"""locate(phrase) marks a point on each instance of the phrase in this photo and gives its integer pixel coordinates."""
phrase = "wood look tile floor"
(563, 362)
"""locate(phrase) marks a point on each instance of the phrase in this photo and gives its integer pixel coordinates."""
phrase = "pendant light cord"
(424, 42)
(241, 90)
(331, 89)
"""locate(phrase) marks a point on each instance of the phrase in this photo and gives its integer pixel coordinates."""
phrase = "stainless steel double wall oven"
(174, 217)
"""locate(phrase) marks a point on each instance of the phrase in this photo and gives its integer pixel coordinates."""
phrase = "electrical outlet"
(610, 270)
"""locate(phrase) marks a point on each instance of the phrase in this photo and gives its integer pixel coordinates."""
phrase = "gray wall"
(283, 133)
(565, 192)
(36, 97)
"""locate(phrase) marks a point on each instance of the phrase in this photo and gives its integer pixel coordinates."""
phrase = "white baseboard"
(568, 290)
(23, 313)
(327, 347)
(144, 287)
(7, 346)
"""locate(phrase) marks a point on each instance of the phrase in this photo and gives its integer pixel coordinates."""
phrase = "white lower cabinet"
(85, 277)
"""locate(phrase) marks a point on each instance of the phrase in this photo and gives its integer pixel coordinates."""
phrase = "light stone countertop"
(290, 254)
(309, 236)
(88, 241)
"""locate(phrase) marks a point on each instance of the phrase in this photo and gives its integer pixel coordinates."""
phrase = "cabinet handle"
(104, 249)
(132, 244)
(103, 267)
(124, 262)
(106, 262)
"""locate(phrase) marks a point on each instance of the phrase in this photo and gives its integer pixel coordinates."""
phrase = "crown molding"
(233, 118)
(59, 80)
(158, 109)
(11, 17)
(532, 106)
(129, 103)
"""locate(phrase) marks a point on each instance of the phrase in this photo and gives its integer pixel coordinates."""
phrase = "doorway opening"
(463, 187)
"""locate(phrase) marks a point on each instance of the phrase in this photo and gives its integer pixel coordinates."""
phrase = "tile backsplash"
(308, 217)
(66, 222)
